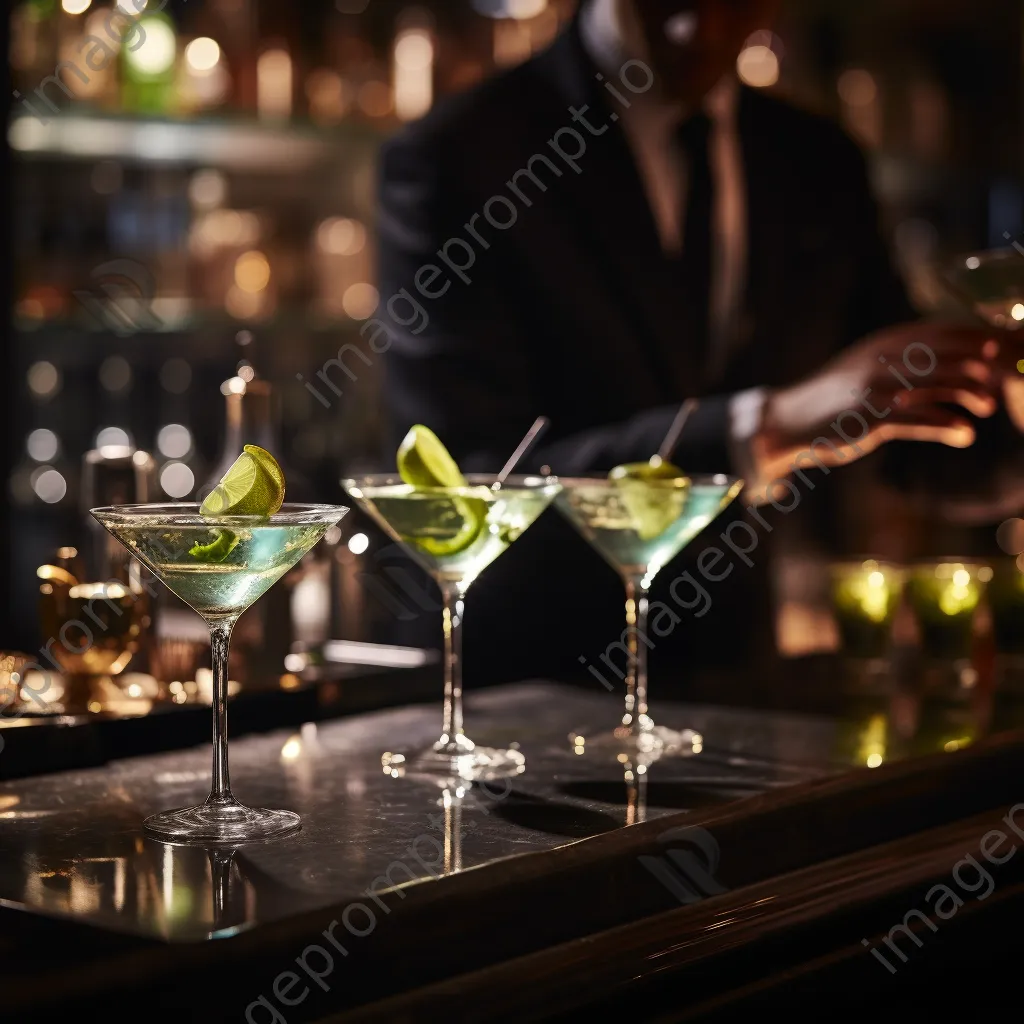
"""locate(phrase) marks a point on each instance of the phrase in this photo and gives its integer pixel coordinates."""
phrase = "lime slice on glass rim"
(252, 486)
(425, 465)
(654, 494)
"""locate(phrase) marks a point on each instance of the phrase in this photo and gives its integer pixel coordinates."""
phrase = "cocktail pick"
(540, 424)
(686, 410)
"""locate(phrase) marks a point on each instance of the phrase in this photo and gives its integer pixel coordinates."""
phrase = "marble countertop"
(73, 846)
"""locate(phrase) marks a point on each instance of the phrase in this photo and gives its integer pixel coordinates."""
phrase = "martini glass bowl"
(990, 283)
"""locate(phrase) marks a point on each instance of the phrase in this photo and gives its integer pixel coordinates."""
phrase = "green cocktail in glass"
(945, 598)
(219, 566)
(865, 596)
(638, 525)
(991, 283)
(454, 533)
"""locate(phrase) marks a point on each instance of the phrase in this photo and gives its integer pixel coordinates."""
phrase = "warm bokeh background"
(224, 167)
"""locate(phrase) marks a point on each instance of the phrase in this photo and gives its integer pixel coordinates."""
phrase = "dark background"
(932, 88)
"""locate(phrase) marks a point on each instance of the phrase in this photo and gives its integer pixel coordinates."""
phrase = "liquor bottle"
(116, 475)
(251, 411)
(264, 634)
(148, 71)
(233, 24)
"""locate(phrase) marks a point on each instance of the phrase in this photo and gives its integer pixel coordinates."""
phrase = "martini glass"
(991, 283)
(454, 533)
(638, 526)
(244, 557)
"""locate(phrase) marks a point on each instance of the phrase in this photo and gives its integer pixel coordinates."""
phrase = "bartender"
(619, 225)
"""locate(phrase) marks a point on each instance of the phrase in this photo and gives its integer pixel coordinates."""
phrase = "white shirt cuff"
(746, 409)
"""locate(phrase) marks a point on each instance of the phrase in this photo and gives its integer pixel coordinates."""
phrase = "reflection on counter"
(86, 856)
(161, 884)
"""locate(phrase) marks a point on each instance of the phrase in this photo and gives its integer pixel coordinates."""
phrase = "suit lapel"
(614, 221)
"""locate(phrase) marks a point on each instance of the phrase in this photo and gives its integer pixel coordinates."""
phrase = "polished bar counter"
(420, 884)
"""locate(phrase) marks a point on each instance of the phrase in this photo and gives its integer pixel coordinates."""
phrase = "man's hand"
(892, 385)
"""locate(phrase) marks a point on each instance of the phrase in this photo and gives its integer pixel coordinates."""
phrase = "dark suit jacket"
(570, 312)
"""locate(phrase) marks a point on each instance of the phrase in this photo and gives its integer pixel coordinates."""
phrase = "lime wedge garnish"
(425, 464)
(253, 486)
(217, 550)
(656, 469)
(469, 514)
(269, 463)
(654, 494)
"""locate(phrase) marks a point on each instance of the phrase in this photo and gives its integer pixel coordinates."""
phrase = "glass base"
(865, 676)
(463, 760)
(639, 745)
(221, 823)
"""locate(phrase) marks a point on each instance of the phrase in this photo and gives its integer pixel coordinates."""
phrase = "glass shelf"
(240, 144)
(201, 320)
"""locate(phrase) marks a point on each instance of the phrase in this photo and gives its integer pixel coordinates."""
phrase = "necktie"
(696, 260)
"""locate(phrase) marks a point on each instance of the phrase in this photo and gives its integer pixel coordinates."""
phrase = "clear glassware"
(454, 533)
(991, 283)
(945, 596)
(639, 526)
(865, 597)
(219, 566)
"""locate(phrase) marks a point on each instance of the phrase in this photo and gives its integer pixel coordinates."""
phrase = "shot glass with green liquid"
(945, 597)
(865, 598)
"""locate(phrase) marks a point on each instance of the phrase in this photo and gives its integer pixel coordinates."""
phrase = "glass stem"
(220, 642)
(453, 740)
(220, 881)
(636, 720)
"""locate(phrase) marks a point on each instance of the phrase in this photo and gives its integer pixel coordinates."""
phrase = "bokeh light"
(42, 445)
(174, 441)
(202, 54)
(177, 479)
(360, 301)
(252, 272)
(44, 379)
(758, 66)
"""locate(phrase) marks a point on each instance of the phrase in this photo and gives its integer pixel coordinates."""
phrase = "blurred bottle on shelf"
(116, 475)
(365, 75)
(233, 25)
(112, 475)
(148, 58)
(33, 43)
(342, 259)
(265, 634)
(275, 81)
(203, 80)
(413, 53)
(252, 416)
